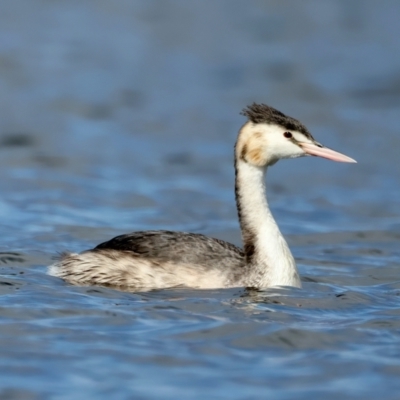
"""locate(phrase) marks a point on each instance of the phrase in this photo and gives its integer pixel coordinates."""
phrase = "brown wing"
(177, 247)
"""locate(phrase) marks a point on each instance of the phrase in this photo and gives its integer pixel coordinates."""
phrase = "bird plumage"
(160, 259)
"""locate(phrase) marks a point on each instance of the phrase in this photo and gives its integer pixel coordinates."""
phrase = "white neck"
(268, 257)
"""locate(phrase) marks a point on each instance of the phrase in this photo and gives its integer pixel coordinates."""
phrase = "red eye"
(287, 135)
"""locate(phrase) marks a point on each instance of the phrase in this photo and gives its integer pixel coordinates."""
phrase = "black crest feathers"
(261, 113)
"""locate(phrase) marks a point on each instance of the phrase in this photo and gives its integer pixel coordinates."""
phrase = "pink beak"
(314, 150)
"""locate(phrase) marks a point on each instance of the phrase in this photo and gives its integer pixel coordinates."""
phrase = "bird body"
(161, 259)
(156, 259)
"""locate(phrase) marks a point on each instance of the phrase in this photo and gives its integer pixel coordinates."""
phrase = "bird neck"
(268, 258)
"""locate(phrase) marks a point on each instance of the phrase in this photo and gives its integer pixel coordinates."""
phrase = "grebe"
(163, 259)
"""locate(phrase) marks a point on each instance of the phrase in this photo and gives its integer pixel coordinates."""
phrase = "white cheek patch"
(299, 137)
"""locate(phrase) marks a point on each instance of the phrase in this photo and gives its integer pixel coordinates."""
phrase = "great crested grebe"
(163, 259)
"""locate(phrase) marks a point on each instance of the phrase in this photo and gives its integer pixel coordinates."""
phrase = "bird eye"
(287, 135)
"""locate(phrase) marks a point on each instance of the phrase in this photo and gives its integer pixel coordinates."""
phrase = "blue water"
(119, 116)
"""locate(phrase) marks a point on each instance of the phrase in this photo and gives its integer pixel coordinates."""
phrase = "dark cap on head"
(261, 113)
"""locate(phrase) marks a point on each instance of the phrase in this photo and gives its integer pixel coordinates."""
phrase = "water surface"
(122, 116)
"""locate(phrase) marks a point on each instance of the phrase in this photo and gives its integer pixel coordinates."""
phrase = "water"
(119, 116)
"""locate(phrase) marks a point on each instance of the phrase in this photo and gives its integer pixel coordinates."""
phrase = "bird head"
(270, 135)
